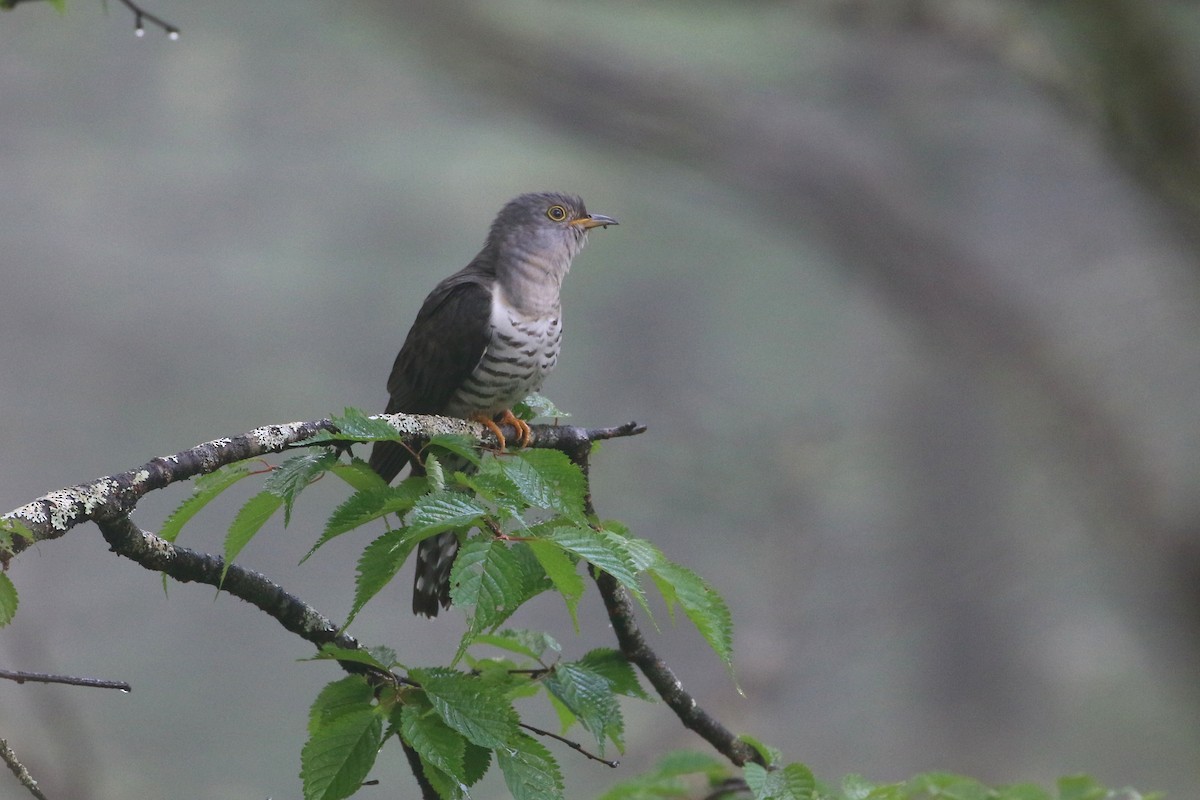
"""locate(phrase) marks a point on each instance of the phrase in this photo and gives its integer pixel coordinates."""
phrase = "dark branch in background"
(637, 651)
(41, 677)
(18, 769)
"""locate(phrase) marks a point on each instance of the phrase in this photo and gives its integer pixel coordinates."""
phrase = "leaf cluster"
(523, 528)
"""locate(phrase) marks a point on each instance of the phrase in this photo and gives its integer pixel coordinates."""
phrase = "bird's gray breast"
(521, 351)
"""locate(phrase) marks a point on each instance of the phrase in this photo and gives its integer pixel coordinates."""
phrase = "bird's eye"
(556, 213)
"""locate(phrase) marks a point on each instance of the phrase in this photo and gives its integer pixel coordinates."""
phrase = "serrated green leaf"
(792, 782)
(617, 670)
(446, 787)
(337, 758)
(535, 405)
(444, 511)
(547, 480)
(292, 476)
(206, 489)
(533, 644)
(590, 697)
(530, 772)
(12, 528)
(435, 741)
(482, 717)
(561, 569)
(434, 472)
(249, 521)
(366, 506)
(8, 600)
(348, 695)
(641, 553)
(494, 578)
(477, 760)
(359, 475)
(764, 750)
(464, 447)
(357, 425)
(601, 551)
(379, 563)
(369, 657)
(491, 485)
(704, 607)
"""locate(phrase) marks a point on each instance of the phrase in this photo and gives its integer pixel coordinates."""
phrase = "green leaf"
(481, 716)
(338, 756)
(434, 472)
(617, 670)
(548, 480)
(249, 521)
(495, 578)
(206, 489)
(371, 657)
(561, 569)
(703, 606)
(12, 528)
(8, 600)
(530, 772)
(535, 405)
(664, 780)
(589, 696)
(368, 505)
(292, 476)
(604, 552)
(359, 475)
(444, 511)
(793, 782)
(435, 741)
(345, 696)
(464, 447)
(1080, 787)
(768, 753)
(379, 563)
(478, 759)
(446, 787)
(532, 644)
(355, 425)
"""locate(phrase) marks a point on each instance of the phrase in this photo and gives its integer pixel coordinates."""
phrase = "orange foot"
(524, 434)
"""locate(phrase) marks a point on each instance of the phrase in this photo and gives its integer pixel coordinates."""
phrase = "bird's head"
(546, 227)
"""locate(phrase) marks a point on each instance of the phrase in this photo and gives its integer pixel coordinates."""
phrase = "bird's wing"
(443, 347)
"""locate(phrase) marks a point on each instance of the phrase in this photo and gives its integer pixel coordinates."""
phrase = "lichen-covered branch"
(53, 514)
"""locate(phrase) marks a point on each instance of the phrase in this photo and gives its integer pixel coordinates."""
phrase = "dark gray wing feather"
(444, 345)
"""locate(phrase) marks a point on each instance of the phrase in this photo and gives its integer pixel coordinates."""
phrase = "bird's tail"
(431, 588)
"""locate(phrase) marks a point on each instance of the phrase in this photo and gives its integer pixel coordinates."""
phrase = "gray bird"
(484, 339)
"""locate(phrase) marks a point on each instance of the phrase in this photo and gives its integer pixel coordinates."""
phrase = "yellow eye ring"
(556, 213)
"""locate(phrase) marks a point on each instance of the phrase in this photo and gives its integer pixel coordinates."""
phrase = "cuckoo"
(484, 339)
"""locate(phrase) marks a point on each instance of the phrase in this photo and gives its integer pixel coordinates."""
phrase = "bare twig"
(141, 15)
(571, 744)
(42, 677)
(18, 769)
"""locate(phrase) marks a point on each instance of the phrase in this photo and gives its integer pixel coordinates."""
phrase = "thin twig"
(18, 769)
(140, 14)
(571, 744)
(42, 677)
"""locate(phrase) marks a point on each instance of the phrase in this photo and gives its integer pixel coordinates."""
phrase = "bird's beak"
(594, 221)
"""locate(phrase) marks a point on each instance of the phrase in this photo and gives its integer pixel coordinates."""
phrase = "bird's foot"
(524, 434)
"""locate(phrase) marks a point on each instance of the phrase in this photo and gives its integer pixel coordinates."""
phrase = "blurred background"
(906, 293)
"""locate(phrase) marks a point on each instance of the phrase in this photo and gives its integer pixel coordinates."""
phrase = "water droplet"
(139, 31)
(173, 36)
